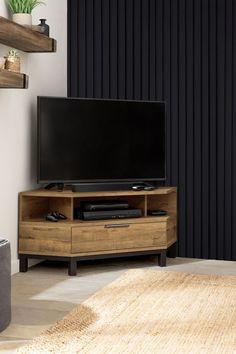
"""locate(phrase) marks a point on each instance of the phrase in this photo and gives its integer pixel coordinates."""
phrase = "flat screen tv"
(100, 141)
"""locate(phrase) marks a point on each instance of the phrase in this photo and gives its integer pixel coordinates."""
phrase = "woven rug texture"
(147, 311)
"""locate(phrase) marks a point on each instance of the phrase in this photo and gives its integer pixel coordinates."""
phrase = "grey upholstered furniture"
(5, 284)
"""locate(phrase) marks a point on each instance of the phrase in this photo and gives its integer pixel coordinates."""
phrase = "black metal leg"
(162, 259)
(23, 264)
(172, 251)
(72, 267)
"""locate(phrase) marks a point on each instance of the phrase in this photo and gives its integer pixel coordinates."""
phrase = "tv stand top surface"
(67, 193)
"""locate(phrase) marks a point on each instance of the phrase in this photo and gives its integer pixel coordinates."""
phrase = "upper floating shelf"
(25, 39)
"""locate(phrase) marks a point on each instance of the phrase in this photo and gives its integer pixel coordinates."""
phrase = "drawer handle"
(116, 226)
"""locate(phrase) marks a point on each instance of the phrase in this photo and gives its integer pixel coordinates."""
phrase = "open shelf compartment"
(135, 201)
(34, 209)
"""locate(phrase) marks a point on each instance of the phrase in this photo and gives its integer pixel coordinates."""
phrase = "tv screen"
(88, 140)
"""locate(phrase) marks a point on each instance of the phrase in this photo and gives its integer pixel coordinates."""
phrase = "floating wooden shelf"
(25, 39)
(9, 79)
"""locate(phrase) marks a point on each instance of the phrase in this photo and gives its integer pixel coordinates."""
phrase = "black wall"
(184, 52)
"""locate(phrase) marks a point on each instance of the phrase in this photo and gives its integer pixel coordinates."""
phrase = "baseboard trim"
(14, 266)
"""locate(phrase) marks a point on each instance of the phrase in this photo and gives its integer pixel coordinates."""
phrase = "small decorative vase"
(44, 26)
(22, 19)
(12, 64)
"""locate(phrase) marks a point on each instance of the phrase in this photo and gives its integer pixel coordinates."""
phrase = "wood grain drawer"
(44, 239)
(118, 236)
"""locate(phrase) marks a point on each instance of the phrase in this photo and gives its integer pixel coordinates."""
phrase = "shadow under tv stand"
(74, 240)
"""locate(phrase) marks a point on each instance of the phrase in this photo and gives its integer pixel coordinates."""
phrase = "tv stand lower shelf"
(74, 240)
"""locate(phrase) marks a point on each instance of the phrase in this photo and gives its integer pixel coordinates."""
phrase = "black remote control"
(149, 187)
(143, 186)
(138, 187)
(50, 217)
(155, 212)
(58, 216)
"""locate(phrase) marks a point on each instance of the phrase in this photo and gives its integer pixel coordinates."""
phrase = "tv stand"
(74, 240)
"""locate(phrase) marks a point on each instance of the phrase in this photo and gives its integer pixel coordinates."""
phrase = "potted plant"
(22, 9)
(12, 61)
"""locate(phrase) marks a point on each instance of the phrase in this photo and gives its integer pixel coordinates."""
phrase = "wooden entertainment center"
(73, 240)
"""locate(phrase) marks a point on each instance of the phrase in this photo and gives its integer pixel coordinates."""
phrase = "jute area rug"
(146, 311)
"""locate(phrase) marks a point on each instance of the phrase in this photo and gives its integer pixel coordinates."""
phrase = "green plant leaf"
(12, 53)
(23, 6)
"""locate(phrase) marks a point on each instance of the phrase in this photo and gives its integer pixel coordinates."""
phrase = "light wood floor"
(45, 293)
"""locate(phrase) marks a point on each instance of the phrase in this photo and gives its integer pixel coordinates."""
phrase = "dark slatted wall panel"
(183, 52)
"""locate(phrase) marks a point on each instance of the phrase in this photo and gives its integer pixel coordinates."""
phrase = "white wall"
(47, 76)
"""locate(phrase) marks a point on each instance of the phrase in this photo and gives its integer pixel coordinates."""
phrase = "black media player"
(107, 214)
(105, 205)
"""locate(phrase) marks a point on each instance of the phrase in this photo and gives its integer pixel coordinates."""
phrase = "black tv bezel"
(97, 181)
